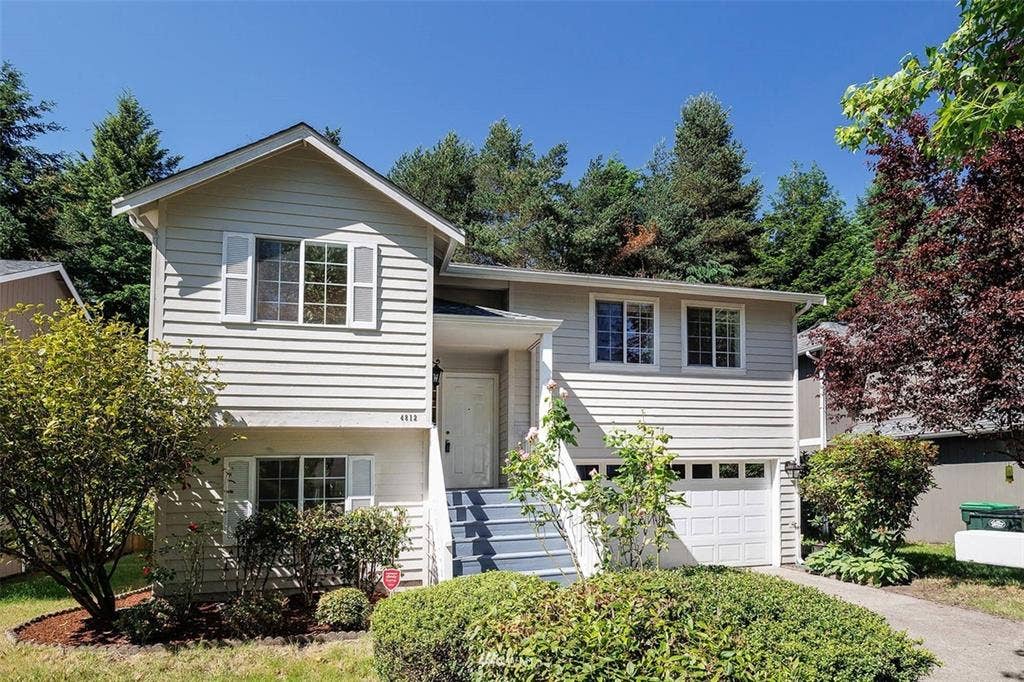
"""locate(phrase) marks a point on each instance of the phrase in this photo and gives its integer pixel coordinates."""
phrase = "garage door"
(728, 517)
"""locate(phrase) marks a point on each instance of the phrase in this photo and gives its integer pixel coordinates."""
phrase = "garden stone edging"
(14, 636)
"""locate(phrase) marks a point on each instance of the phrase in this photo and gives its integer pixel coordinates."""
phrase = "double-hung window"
(307, 276)
(304, 482)
(624, 331)
(713, 336)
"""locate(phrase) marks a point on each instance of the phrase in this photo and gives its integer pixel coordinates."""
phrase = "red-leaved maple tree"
(938, 334)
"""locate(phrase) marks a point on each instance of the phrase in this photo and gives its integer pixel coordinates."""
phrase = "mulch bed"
(76, 628)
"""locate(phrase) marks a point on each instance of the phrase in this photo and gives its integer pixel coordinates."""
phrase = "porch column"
(545, 372)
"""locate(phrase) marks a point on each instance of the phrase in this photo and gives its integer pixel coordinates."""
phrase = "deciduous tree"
(938, 332)
(93, 421)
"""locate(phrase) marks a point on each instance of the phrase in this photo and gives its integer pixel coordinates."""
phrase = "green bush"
(699, 623)
(261, 541)
(346, 609)
(422, 634)
(866, 487)
(372, 539)
(873, 566)
(254, 615)
(147, 620)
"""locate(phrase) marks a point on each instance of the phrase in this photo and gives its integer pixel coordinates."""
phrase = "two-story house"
(364, 367)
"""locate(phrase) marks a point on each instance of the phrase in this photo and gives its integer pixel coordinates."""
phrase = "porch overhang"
(472, 332)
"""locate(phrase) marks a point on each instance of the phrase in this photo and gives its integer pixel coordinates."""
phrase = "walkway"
(973, 646)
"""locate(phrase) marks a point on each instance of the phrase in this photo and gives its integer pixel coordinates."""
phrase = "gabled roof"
(11, 270)
(272, 144)
(502, 273)
(804, 343)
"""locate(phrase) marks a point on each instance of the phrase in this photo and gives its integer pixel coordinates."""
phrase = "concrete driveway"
(973, 646)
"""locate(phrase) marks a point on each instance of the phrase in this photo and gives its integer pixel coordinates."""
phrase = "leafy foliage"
(938, 332)
(871, 566)
(346, 608)
(261, 542)
(372, 540)
(146, 621)
(106, 256)
(975, 80)
(316, 537)
(29, 177)
(190, 550)
(93, 422)
(867, 487)
(422, 635)
(254, 615)
(626, 517)
(701, 623)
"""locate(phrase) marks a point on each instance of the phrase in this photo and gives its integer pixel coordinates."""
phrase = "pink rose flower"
(524, 455)
(533, 434)
(563, 394)
(552, 385)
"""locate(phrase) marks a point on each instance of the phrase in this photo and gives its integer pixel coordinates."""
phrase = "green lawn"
(940, 577)
(25, 598)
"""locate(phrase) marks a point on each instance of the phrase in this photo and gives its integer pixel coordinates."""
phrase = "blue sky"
(605, 78)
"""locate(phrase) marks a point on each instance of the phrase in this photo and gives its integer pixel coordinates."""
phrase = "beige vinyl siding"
(296, 375)
(399, 470)
(45, 289)
(789, 517)
(707, 413)
(523, 409)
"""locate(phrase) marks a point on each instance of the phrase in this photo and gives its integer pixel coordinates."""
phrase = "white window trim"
(372, 497)
(624, 366)
(713, 305)
(348, 244)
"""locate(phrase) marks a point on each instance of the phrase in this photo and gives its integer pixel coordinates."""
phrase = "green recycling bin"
(992, 516)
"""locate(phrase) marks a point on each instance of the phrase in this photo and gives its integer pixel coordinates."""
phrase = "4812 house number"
(410, 417)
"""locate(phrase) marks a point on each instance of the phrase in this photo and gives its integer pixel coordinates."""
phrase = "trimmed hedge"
(346, 608)
(700, 623)
(423, 634)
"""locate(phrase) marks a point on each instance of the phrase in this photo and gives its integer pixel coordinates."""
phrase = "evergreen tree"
(519, 202)
(333, 135)
(29, 178)
(611, 235)
(808, 243)
(708, 226)
(107, 257)
(442, 177)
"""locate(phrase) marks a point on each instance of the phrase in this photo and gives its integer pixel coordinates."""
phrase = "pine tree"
(709, 225)
(442, 177)
(808, 243)
(29, 178)
(107, 257)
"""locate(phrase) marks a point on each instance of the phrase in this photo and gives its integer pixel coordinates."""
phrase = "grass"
(25, 598)
(940, 577)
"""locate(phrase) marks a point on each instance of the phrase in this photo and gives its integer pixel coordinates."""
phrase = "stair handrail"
(439, 527)
(573, 521)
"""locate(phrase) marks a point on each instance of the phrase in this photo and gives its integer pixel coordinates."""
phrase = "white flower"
(533, 434)
(563, 394)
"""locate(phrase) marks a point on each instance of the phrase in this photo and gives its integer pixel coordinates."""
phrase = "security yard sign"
(391, 578)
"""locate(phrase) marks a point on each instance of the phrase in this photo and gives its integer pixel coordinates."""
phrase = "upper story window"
(713, 336)
(318, 269)
(624, 331)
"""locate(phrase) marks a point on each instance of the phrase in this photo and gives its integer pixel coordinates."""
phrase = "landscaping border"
(14, 636)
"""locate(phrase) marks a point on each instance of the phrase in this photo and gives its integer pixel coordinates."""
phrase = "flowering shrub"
(372, 539)
(626, 517)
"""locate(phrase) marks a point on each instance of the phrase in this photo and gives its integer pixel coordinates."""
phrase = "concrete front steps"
(490, 533)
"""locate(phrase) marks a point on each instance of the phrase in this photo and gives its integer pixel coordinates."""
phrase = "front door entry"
(468, 430)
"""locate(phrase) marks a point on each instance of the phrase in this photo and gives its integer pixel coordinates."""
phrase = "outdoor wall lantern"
(437, 372)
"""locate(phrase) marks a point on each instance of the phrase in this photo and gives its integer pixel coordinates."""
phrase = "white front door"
(468, 442)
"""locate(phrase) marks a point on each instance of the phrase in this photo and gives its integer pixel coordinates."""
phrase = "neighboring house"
(343, 329)
(968, 469)
(37, 283)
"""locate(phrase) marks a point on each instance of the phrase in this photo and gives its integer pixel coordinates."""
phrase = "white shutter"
(239, 483)
(363, 286)
(360, 482)
(236, 277)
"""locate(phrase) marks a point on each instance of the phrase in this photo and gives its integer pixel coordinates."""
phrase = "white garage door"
(728, 517)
